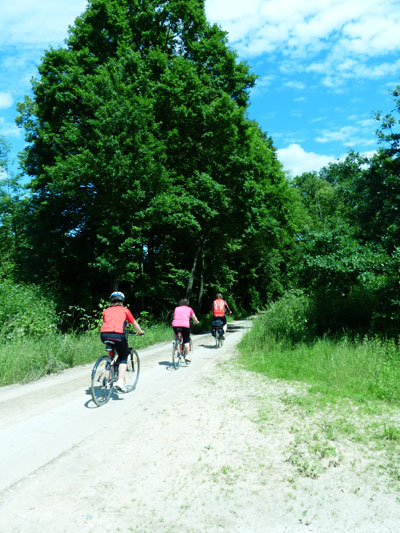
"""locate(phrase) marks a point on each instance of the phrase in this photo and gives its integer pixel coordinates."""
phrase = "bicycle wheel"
(132, 371)
(220, 340)
(176, 358)
(102, 380)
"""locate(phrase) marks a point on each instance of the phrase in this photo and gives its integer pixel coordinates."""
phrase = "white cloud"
(360, 133)
(344, 135)
(44, 21)
(9, 130)
(340, 37)
(5, 100)
(296, 160)
(295, 85)
(231, 9)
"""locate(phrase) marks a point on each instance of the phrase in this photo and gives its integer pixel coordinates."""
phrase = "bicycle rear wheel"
(220, 338)
(176, 359)
(132, 371)
(102, 380)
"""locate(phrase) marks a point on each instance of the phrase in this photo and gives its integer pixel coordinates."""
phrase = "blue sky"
(323, 67)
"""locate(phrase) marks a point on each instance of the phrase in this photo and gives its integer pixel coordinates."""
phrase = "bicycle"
(105, 373)
(218, 333)
(178, 350)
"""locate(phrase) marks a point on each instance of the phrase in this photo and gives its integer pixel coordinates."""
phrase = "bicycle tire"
(176, 356)
(221, 338)
(102, 380)
(132, 371)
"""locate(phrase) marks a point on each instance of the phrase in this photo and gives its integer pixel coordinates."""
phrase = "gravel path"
(207, 448)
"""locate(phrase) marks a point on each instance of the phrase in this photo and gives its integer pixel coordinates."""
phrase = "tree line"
(146, 174)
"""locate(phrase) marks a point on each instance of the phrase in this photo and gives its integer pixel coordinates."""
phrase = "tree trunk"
(198, 253)
(201, 288)
(192, 273)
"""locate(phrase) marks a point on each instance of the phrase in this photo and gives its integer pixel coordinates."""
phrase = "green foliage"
(145, 170)
(4, 151)
(26, 359)
(365, 369)
(77, 319)
(25, 311)
(290, 319)
(347, 252)
(11, 208)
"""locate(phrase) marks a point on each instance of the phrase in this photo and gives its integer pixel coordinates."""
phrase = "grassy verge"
(367, 370)
(30, 359)
(337, 392)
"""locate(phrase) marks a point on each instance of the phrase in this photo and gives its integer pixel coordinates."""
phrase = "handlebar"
(136, 334)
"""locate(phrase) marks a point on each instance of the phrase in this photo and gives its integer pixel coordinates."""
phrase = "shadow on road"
(208, 346)
(89, 404)
(235, 327)
(169, 366)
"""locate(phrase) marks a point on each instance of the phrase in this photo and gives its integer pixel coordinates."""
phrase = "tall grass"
(364, 370)
(29, 358)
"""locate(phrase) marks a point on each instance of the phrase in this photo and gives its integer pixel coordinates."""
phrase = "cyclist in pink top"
(182, 315)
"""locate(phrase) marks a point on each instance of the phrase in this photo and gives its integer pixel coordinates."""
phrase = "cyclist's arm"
(194, 318)
(137, 328)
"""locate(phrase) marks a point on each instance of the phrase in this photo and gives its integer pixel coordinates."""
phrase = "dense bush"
(291, 318)
(24, 311)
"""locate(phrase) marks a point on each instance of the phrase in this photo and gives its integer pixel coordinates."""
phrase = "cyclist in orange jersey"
(115, 319)
(218, 307)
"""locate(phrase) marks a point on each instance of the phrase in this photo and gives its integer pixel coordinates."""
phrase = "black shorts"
(185, 334)
(223, 318)
(121, 344)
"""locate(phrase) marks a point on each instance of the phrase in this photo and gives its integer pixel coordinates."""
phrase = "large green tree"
(11, 207)
(146, 172)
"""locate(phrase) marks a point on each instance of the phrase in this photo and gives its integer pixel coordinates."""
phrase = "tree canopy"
(348, 252)
(146, 172)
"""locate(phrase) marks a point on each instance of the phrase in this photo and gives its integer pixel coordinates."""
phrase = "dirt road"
(207, 448)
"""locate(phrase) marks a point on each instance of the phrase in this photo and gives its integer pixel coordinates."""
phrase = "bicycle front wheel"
(176, 360)
(102, 380)
(132, 371)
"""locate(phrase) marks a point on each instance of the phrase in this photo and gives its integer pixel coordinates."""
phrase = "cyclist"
(182, 315)
(218, 307)
(115, 319)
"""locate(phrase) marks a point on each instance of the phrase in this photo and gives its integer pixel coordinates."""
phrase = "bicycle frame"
(178, 350)
(180, 340)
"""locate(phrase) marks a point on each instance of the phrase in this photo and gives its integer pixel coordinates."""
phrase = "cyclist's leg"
(225, 325)
(176, 349)
(121, 345)
(186, 341)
